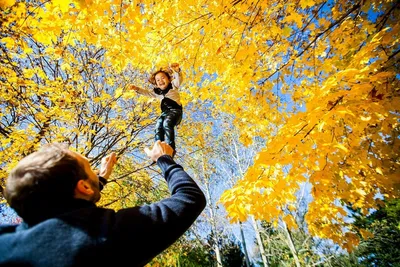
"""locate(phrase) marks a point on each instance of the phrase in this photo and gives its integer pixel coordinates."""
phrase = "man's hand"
(107, 165)
(159, 149)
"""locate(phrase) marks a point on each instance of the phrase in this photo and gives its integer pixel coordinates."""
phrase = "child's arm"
(176, 75)
(142, 91)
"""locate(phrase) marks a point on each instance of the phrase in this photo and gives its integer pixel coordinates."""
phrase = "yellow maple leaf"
(6, 3)
(366, 234)
(295, 17)
(379, 170)
(62, 4)
(342, 147)
(9, 41)
(306, 3)
(287, 31)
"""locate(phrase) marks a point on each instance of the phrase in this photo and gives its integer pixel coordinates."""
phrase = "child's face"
(162, 80)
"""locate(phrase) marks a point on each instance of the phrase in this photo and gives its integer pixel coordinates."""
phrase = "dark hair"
(152, 78)
(43, 181)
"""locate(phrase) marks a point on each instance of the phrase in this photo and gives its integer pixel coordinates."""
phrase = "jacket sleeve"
(177, 79)
(145, 92)
(150, 229)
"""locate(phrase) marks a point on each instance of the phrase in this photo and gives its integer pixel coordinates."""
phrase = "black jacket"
(85, 235)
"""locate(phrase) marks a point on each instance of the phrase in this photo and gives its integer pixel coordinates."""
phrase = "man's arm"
(150, 229)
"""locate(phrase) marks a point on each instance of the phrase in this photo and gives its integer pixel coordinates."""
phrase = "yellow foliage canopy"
(319, 82)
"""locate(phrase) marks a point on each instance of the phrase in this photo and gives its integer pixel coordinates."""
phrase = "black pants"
(165, 126)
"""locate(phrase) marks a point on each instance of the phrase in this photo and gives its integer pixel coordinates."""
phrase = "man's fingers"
(113, 157)
(110, 158)
(107, 163)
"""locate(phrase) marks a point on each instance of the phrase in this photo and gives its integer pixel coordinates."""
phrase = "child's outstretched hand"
(133, 87)
(175, 67)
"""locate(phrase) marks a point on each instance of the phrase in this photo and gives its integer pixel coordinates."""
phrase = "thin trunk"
(214, 228)
(260, 242)
(291, 246)
(210, 204)
(244, 246)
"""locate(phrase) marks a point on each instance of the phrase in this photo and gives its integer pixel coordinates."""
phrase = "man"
(54, 190)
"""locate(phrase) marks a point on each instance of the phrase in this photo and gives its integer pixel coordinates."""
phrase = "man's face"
(92, 177)
(162, 80)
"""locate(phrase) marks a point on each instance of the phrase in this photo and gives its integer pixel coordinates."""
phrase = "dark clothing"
(165, 126)
(170, 117)
(85, 235)
(171, 108)
(167, 104)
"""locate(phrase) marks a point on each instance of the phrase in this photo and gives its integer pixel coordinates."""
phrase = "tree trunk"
(291, 246)
(259, 242)
(214, 228)
(244, 245)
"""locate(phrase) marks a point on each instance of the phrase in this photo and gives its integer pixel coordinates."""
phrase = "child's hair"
(152, 78)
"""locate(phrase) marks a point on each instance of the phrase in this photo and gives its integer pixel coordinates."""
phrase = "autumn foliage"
(318, 80)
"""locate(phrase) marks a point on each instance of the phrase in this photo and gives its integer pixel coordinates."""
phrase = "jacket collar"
(72, 205)
(158, 91)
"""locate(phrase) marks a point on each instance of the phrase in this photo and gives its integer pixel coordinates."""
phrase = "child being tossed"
(166, 84)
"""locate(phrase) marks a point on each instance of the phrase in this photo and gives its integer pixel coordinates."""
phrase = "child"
(167, 91)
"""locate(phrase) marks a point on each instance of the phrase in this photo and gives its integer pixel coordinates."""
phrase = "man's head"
(49, 179)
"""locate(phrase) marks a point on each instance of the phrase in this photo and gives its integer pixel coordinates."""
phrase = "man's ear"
(84, 187)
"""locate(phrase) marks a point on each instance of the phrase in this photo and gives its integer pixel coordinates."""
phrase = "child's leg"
(159, 131)
(173, 117)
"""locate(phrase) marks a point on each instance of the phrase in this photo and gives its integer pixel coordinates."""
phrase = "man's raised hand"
(107, 165)
(159, 149)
